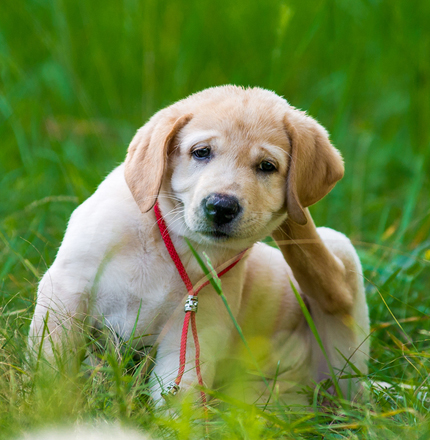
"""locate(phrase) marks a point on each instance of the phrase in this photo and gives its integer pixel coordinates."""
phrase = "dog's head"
(231, 164)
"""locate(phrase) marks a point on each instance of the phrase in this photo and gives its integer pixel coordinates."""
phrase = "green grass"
(77, 80)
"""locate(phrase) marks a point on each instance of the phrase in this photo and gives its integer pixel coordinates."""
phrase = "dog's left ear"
(147, 156)
(315, 165)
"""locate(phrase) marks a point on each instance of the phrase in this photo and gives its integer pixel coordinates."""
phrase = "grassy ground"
(78, 78)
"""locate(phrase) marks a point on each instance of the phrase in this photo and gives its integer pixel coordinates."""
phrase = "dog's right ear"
(315, 165)
(147, 156)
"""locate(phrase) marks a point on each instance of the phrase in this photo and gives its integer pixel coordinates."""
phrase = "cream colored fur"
(97, 431)
(113, 269)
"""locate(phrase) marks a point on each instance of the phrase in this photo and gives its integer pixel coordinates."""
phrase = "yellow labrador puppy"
(228, 167)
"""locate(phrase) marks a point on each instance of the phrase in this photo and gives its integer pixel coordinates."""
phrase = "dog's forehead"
(252, 122)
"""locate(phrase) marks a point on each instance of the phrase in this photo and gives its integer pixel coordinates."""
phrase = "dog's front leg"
(322, 275)
(214, 327)
(59, 322)
(167, 367)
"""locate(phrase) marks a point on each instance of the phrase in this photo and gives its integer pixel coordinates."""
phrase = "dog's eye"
(201, 153)
(266, 166)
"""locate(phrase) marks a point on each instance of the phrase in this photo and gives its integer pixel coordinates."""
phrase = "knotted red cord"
(191, 291)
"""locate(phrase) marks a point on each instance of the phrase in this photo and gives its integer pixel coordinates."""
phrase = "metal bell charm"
(171, 389)
(191, 304)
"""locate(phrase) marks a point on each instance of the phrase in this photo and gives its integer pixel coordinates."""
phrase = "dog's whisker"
(152, 198)
(176, 211)
(290, 239)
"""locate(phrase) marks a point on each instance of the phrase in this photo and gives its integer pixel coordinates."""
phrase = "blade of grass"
(411, 199)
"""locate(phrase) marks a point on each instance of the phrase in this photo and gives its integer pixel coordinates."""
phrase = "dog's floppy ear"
(315, 165)
(147, 156)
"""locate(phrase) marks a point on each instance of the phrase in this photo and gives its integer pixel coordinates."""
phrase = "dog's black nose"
(221, 208)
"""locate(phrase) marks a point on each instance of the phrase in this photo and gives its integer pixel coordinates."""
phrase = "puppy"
(228, 166)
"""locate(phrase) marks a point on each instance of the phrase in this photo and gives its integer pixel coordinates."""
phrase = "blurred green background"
(79, 77)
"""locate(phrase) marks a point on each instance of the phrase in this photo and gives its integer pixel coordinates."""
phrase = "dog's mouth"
(214, 233)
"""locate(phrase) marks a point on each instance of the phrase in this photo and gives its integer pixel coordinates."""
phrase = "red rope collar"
(190, 311)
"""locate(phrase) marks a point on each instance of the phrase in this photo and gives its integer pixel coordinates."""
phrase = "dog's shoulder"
(107, 219)
(111, 204)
